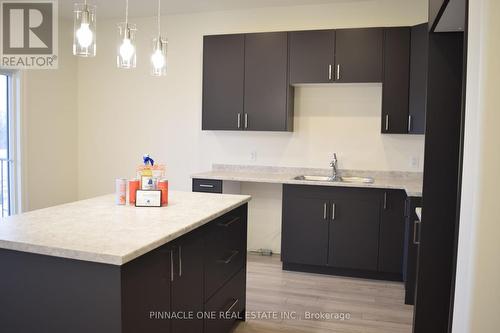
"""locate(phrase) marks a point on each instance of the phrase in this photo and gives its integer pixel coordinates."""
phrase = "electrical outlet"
(414, 162)
(253, 156)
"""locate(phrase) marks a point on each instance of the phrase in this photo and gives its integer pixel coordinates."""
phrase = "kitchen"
(272, 102)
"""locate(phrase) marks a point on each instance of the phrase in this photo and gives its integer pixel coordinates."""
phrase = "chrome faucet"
(333, 164)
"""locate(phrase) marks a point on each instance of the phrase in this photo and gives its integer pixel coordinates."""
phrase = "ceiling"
(144, 8)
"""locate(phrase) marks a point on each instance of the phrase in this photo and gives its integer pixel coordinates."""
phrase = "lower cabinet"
(343, 230)
(194, 284)
(354, 229)
(411, 248)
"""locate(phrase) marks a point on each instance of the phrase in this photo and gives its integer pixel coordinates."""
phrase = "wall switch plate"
(253, 156)
(414, 162)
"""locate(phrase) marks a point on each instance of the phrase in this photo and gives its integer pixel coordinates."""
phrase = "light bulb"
(127, 50)
(158, 59)
(84, 35)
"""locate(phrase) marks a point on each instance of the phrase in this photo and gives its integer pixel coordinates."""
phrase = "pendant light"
(159, 56)
(126, 53)
(84, 30)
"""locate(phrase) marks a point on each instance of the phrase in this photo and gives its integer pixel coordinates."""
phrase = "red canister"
(133, 186)
(163, 187)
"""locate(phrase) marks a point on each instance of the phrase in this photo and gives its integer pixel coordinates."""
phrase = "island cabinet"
(343, 230)
(193, 284)
(199, 278)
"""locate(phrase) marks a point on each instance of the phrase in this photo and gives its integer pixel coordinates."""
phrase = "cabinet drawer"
(207, 185)
(225, 249)
(227, 305)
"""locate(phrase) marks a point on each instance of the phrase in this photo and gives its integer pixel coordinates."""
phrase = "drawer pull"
(228, 223)
(232, 305)
(206, 185)
(171, 265)
(415, 224)
(229, 259)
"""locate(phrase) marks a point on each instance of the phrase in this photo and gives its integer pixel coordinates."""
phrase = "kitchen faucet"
(333, 164)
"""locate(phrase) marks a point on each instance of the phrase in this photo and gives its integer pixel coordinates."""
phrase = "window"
(5, 157)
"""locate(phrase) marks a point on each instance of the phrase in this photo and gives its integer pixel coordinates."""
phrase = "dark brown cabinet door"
(187, 285)
(223, 75)
(354, 229)
(146, 287)
(305, 228)
(392, 229)
(312, 56)
(266, 104)
(358, 55)
(395, 96)
(418, 78)
(411, 249)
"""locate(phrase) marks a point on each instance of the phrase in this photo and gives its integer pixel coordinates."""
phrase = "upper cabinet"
(404, 97)
(223, 74)
(268, 95)
(418, 78)
(245, 83)
(358, 55)
(336, 56)
(395, 92)
(312, 56)
(248, 79)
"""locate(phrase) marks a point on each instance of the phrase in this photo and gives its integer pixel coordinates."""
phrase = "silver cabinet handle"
(180, 261)
(329, 72)
(246, 120)
(229, 259)
(333, 211)
(239, 120)
(409, 123)
(171, 265)
(232, 306)
(415, 223)
(385, 200)
(338, 71)
(325, 211)
(228, 223)
(206, 185)
(386, 122)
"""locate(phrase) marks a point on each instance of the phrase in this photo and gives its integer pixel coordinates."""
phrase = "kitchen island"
(92, 266)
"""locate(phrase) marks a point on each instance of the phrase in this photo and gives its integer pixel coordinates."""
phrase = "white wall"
(478, 273)
(49, 127)
(123, 114)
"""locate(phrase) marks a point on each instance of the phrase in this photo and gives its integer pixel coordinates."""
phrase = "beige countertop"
(411, 182)
(98, 230)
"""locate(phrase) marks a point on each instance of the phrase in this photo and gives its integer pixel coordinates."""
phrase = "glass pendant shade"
(84, 34)
(159, 57)
(126, 53)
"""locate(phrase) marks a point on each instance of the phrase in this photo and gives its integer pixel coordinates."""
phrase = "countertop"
(98, 230)
(411, 182)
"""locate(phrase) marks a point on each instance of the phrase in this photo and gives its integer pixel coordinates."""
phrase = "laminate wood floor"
(373, 306)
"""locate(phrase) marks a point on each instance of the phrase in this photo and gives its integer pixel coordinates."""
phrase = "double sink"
(337, 179)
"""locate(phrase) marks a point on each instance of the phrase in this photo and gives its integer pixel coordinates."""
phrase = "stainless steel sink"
(314, 178)
(354, 179)
(346, 179)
